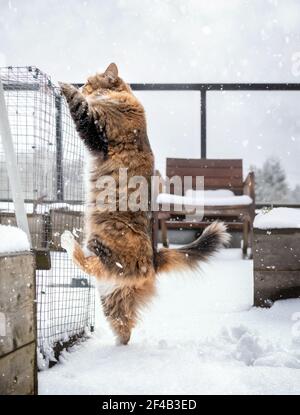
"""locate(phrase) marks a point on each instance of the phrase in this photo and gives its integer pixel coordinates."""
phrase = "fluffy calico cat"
(112, 124)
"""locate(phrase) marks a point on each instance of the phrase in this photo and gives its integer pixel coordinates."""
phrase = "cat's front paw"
(67, 241)
(67, 90)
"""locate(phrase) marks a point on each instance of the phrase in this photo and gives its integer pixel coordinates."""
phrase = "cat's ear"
(112, 72)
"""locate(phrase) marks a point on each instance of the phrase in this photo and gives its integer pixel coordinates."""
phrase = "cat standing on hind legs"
(112, 124)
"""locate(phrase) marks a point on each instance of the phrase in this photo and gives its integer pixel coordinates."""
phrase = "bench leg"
(245, 237)
(164, 233)
(251, 239)
(154, 222)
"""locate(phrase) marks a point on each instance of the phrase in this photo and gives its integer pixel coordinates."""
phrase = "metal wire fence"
(50, 160)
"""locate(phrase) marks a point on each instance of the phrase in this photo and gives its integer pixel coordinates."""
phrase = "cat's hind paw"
(67, 241)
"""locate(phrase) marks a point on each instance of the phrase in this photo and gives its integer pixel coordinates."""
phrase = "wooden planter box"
(17, 324)
(38, 227)
(276, 255)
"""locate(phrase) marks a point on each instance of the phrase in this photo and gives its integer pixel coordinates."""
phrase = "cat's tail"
(213, 238)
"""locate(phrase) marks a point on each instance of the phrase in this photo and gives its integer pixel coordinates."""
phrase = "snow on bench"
(13, 239)
(278, 218)
(220, 197)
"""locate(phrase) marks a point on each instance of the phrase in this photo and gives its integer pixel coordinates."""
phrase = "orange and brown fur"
(112, 124)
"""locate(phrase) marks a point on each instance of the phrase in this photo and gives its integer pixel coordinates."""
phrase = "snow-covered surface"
(41, 208)
(219, 197)
(278, 218)
(218, 193)
(206, 198)
(200, 335)
(13, 239)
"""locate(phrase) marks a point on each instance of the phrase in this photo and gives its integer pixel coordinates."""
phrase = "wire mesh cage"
(50, 161)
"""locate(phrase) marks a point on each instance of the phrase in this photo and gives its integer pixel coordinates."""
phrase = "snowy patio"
(220, 85)
(201, 335)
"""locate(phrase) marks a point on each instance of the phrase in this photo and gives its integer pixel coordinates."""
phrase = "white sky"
(176, 41)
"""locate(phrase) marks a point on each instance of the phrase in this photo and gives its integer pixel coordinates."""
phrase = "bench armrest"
(249, 186)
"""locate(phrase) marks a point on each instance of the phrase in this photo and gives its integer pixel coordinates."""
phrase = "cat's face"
(108, 80)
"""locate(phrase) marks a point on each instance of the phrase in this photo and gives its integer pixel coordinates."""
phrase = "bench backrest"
(217, 173)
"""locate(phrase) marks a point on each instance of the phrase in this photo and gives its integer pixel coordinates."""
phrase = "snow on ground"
(278, 218)
(200, 335)
(13, 239)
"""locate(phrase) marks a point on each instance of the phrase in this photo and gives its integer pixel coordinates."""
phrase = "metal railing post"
(203, 122)
(59, 148)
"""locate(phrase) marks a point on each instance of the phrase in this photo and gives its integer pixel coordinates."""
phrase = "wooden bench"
(218, 174)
